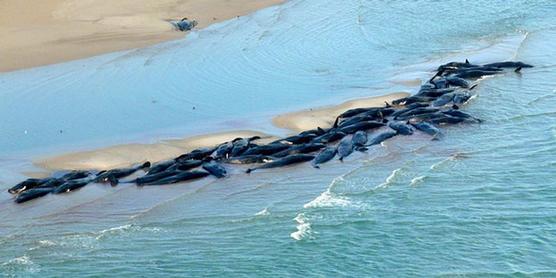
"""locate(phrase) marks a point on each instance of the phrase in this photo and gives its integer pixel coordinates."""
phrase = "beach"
(120, 87)
(53, 31)
(129, 154)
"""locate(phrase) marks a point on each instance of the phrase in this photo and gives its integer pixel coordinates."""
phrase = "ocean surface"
(481, 202)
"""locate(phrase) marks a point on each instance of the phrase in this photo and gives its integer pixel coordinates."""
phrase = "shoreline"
(128, 154)
(324, 116)
(66, 30)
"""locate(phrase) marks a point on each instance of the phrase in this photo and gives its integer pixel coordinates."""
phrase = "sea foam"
(263, 212)
(303, 228)
(391, 178)
(328, 199)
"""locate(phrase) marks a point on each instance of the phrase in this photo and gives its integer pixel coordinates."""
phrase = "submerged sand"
(129, 154)
(35, 33)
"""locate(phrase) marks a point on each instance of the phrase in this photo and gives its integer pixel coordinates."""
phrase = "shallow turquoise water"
(481, 202)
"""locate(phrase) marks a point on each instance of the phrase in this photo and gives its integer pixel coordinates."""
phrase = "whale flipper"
(361, 149)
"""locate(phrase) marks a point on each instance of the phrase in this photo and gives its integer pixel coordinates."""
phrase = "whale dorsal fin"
(518, 69)
(336, 122)
(467, 61)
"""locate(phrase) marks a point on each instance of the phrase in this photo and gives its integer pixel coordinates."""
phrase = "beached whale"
(409, 107)
(250, 159)
(324, 156)
(413, 99)
(266, 149)
(401, 127)
(475, 73)
(73, 185)
(509, 64)
(449, 65)
(74, 175)
(457, 81)
(435, 92)
(443, 119)
(198, 154)
(161, 166)
(180, 176)
(355, 119)
(223, 151)
(241, 145)
(48, 182)
(33, 194)
(427, 128)
(417, 111)
(112, 176)
(185, 165)
(345, 148)
(155, 177)
(359, 139)
(215, 169)
(381, 137)
(288, 160)
(330, 136)
(366, 125)
(27, 184)
(302, 148)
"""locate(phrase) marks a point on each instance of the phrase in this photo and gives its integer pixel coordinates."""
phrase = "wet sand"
(129, 154)
(36, 33)
(325, 116)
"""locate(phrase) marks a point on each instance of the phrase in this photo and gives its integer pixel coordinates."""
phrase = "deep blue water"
(480, 202)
